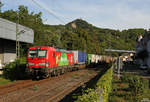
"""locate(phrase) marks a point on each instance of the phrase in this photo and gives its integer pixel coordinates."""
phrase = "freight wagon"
(97, 59)
(80, 57)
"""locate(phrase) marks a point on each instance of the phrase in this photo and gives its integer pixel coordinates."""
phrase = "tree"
(84, 36)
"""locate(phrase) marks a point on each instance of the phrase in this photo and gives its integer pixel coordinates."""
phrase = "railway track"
(5, 89)
(34, 97)
(61, 94)
(51, 90)
(21, 85)
(57, 92)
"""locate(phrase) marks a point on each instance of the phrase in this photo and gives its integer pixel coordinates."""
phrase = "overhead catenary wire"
(49, 11)
(53, 14)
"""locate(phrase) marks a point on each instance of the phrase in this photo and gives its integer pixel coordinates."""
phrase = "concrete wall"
(8, 31)
(1, 52)
(7, 51)
(8, 40)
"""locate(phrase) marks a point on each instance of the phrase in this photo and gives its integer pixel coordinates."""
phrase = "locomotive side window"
(54, 55)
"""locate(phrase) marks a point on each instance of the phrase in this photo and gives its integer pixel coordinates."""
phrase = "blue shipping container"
(82, 57)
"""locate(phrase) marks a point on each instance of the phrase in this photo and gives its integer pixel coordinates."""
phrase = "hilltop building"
(8, 39)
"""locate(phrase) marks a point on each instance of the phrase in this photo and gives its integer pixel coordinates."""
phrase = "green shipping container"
(89, 58)
(63, 60)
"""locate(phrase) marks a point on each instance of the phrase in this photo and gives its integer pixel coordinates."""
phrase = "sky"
(112, 14)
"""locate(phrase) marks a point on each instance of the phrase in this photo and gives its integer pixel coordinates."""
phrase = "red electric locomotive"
(46, 61)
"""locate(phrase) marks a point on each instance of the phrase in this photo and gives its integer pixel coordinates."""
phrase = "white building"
(143, 50)
(8, 40)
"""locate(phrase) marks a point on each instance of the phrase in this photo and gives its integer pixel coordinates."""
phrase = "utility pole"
(17, 38)
(18, 33)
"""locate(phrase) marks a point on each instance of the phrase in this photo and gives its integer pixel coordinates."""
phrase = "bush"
(102, 89)
(89, 95)
(15, 70)
(136, 86)
(126, 77)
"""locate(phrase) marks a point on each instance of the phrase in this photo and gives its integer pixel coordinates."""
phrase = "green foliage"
(126, 77)
(15, 70)
(136, 86)
(89, 96)
(35, 87)
(84, 36)
(102, 89)
(4, 81)
(131, 88)
(117, 99)
(105, 83)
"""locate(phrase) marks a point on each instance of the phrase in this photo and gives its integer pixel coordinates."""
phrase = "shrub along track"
(47, 90)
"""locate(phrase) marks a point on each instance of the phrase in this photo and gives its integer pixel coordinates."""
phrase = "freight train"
(45, 61)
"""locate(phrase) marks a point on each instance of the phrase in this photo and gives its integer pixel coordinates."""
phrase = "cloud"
(114, 14)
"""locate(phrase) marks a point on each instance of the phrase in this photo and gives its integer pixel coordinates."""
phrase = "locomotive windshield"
(32, 53)
(37, 53)
(42, 53)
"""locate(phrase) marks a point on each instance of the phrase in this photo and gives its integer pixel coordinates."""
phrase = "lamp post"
(18, 33)
(17, 43)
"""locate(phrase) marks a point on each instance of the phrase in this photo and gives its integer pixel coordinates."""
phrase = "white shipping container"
(97, 58)
(93, 58)
(75, 57)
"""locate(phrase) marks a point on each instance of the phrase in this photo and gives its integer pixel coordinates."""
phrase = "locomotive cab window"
(32, 53)
(37, 53)
(42, 53)
(54, 55)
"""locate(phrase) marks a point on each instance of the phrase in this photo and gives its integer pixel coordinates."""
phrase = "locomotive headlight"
(44, 64)
(47, 64)
(41, 64)
(30, 64)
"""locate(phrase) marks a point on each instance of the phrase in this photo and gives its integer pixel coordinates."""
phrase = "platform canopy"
(8, 31)
(120, 51)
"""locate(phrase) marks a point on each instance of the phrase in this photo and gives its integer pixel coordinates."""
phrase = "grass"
(35, 87)
(122, 93)
(146, 94)
(76, 76)
(4, 81)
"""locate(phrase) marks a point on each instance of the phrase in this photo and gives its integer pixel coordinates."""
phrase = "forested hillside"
(77, 34)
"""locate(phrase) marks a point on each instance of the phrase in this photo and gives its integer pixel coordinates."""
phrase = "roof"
(8, 31)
